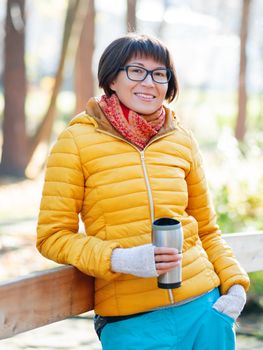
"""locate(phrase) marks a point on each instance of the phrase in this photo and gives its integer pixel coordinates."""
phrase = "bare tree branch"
(240, 129)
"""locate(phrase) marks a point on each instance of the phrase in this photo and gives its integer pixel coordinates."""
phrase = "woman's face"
(143, 97)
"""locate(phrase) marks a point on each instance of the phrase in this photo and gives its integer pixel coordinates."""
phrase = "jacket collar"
(93, 111)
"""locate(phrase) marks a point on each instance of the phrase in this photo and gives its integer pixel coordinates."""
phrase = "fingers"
(165, 250)
(163, 254)
(162, 268)
(166, 259)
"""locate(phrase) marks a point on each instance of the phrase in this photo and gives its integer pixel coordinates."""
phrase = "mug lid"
(166, 224)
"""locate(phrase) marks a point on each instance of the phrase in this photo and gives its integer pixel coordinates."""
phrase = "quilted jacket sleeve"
(57, 232)
(201, 208)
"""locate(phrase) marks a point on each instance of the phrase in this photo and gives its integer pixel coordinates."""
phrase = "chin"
(146, 110)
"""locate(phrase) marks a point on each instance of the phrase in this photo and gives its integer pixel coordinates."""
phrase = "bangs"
(147, 49)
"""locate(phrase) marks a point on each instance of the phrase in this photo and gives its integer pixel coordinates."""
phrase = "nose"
(148, 81)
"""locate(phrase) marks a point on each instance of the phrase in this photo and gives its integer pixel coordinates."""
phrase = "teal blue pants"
(192, 326)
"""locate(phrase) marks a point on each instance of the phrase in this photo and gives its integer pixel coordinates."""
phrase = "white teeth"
(149, 97)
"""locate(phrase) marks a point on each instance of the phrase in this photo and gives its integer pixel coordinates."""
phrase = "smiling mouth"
(145, 96)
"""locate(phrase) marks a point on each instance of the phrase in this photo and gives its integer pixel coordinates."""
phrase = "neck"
(125, 110)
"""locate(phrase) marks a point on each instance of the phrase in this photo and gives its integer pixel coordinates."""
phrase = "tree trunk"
(131, 16)
(18, 148)
(84, 81)
(70, 37)
(14, 147)
(240, 129)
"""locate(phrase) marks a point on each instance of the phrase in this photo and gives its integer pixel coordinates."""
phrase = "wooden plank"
(42, 298)
(248, 248)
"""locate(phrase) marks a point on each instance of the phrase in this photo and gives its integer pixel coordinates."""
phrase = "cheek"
(121, 86)
(163, 91)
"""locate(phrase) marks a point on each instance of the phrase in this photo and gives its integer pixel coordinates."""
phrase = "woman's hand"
(138, 261)
(233, 302)
(144, 260)
(166, 259)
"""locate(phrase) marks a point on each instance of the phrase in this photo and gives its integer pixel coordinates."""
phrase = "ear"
(112, 85)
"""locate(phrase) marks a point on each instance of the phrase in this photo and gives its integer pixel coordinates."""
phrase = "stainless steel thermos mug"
(167, 232)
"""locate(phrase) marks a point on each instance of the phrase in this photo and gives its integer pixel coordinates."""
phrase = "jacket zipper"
(146, 177)
(170, 293)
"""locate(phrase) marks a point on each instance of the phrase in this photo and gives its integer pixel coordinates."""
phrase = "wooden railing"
(52, 295)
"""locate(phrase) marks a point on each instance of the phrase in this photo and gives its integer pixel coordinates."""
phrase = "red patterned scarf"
(138, 129)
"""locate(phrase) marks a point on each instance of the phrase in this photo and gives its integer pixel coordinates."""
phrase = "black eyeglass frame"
(169, 73)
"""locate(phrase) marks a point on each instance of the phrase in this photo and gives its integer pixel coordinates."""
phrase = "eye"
(136, 70)
(160, 73)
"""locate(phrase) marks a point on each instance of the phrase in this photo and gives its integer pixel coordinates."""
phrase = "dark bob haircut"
(132, 45)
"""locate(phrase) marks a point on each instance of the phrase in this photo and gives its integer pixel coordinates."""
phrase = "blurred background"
(49, 52)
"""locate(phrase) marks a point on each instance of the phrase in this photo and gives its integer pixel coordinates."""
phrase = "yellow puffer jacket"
(118, 190)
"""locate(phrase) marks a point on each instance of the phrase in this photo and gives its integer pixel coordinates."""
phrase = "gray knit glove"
(138, 261)
(233, 302)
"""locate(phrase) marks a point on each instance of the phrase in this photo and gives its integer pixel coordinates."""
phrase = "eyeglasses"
(136, 73)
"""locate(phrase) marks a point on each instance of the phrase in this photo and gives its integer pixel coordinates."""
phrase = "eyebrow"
(142, 65)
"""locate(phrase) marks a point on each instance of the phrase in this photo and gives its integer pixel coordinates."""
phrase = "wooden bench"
(52, 295)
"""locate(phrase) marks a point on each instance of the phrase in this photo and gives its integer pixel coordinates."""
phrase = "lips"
(145, 96)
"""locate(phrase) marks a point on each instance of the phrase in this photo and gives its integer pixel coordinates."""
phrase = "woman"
(121, 164)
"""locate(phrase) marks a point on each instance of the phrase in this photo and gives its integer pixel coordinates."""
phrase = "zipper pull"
(142, 155)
